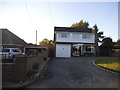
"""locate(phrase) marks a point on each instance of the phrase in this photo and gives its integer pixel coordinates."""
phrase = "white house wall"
(75, 37)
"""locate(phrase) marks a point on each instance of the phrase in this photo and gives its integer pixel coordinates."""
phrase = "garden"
(111, 64)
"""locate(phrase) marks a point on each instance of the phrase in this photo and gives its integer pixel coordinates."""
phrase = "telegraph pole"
(36, 37)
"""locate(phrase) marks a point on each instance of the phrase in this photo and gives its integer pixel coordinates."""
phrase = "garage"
(63, 50)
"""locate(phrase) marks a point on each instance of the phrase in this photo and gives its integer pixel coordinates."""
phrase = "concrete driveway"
(75, 72)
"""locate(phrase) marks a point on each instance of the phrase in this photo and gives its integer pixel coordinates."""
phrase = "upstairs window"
(86, 36)
(80, 35)
(63, 35)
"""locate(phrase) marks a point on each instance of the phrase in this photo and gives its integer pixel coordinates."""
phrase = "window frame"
(86, 36)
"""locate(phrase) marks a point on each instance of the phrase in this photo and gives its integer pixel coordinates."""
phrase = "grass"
(112, 64)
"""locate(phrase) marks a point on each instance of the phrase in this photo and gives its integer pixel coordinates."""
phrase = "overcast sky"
(23, 18)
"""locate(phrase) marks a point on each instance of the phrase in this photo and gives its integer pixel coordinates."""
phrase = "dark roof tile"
(70, 29)
(8, 38)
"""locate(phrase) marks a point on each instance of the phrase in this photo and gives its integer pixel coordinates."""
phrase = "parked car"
(9, 53)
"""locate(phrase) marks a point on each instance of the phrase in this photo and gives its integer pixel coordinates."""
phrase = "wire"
(29, 17)
(27, 10)
(50, 11)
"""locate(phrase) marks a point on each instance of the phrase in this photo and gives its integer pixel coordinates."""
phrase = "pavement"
(75, 72)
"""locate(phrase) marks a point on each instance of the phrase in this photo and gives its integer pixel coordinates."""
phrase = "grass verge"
(112, 64)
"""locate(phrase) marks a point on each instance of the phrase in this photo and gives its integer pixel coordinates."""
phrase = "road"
(75, 72)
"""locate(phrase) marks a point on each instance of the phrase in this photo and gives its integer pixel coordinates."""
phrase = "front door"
(76, 50)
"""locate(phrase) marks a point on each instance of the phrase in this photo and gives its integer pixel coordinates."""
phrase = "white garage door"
(63, 50)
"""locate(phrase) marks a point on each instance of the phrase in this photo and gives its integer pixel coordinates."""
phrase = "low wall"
(36, 60)
(19, 70)
(8, 71)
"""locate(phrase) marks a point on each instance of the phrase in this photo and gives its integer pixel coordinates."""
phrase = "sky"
(24, 17)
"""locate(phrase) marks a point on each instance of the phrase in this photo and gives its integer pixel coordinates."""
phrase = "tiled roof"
(70, 29)
(8, 38)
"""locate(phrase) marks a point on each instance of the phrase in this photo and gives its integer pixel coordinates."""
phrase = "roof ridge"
(72, 29)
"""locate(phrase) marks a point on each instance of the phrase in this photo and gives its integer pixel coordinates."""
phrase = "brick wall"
(8, 71)
(20, 68)
(23, 65)
(34, 60)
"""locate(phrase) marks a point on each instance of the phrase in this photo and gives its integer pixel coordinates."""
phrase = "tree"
(107, 45)
(107, 42)
(98, 36)
(80, 24)
(46, 42)
(50, 45)
(118, 42)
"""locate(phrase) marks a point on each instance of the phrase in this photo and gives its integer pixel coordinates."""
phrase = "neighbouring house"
(74, 41)
(26, 67)
(10, 40)
(116, 49)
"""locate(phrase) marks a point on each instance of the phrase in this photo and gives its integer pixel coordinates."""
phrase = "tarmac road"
(75, 72)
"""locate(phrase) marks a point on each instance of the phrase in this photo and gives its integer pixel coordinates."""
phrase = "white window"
(63, 35)
(86, 36)
(80, 35)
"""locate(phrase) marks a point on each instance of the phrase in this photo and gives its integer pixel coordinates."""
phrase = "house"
(116, 49)
(74, 41)
(10, 40)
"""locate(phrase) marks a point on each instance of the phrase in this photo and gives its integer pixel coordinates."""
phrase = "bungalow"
(74, 41)
(10, 40)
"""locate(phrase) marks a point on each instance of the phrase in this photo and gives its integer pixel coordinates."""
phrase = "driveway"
(75, 72)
